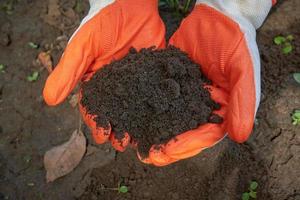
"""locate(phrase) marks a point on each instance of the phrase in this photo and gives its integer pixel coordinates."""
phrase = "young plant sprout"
(33, 45)
(2, 68)
(285, 42)
(8, 6)
(121, 188)
(176, 6)
(251, 194)
(296, 117)
(33, 77)
(297, 77)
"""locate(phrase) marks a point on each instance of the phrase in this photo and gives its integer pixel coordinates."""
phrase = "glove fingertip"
(239, 131)
(120, 145)
(146, 160)
(158, 156)
(101, 134)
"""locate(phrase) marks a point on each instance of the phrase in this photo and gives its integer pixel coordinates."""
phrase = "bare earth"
(28, 127)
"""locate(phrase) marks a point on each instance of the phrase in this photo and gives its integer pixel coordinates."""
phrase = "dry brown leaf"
(74, 100)
(45, 60)
(62, 159)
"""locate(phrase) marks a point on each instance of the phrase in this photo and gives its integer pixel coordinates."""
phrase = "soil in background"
(28, 127)
(153, 95)
(233, 166)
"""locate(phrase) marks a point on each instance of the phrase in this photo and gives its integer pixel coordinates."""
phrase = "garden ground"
(28, 127)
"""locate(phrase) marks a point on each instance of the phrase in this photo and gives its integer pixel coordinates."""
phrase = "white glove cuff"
(254, 11)
(95, 7)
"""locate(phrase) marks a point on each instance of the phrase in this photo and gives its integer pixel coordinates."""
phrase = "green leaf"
(297, 77)
(27, 158)
(33, 77)
(252, 194)
(279, 40)
(287, 49)
(290, 37)
(296, 114)
(245, 196)
(8, 7)
(2, 67)
(30, 184)
(296, 117)
(186, 7)
(253, 185)
(33, 45)
(123, 189)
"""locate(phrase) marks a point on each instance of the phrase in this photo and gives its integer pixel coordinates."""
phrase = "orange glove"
(220, 36)
(106, 33)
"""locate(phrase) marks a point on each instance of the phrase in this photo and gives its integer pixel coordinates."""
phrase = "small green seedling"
(296, 117)
(251, 194)
(30, 184)
(8, 6)
(122, 189)
(285, 42)
(2, 68)
(297, 77)
(27, 158)
(33, 77)
(33, 45)
(176, 6)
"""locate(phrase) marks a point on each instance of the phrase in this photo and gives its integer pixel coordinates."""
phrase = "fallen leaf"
(45, 60)
(62, 159)
(74, 100)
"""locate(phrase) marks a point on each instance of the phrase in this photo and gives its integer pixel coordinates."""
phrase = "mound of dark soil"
(152, 95)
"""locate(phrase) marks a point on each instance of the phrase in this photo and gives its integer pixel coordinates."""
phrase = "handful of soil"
(153, 95)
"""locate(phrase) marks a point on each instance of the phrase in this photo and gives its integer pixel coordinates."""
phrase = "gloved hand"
(220, 35)
(109, 30)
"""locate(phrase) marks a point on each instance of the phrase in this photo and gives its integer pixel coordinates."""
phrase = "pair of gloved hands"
(220, 35)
